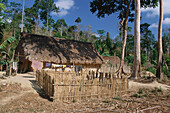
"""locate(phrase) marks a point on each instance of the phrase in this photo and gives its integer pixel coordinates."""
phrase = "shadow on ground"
(40, 91)
(28, 77)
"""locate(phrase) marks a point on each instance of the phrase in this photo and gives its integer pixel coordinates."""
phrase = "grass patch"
(157, 90)
(141, 93)
(117, 98)
(106, 101)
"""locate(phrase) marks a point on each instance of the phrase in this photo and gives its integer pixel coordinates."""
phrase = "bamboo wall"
(74, 86)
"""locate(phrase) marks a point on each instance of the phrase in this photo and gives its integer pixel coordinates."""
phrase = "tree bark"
(47, 23)
(137, 56)
(160, 49)
(124, 41)
(61, 31)
(22, 21)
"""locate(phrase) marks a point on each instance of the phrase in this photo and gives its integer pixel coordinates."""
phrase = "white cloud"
(166, 21)
(95, 34)
(151, 12)
(154, 25)
(61, 13)
(64, 6)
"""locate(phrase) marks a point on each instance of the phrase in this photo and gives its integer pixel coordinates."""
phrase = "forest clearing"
(84, 56)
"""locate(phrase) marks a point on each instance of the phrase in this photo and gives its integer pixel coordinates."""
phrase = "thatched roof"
(112, 60)
(57, 50)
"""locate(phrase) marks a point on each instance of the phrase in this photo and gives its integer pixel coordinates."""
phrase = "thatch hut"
(113, 63)
(55, 50)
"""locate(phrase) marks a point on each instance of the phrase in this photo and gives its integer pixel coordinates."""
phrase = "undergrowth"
(146, 92)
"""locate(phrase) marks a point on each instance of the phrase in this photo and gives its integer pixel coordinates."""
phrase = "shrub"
(151, 69)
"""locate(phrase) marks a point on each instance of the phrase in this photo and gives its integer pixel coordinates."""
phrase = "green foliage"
(47, 6)
(109, 7)
(166, 40)
(166, 72)
(6, 50)
(147, 42)
(151, 69)
(141, 93)
(60, 23)
(157, 90)
(106, 101)
(143, 59)
(78, 20)
(2, 7)
(106, 54)
(57, 35)
(129, 59)
(117, 98)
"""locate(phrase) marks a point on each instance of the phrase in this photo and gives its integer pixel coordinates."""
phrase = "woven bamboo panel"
(75, 86)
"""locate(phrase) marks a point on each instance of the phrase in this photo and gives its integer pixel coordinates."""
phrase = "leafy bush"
(141, 93)
(157, 90)
(57, 35)
(151, 69)
(143, 59)
(129, 58)
(166, 72)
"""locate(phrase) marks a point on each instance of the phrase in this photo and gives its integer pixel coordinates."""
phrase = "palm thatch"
(56, 50)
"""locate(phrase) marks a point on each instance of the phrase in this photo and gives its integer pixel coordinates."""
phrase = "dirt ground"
(21, 94)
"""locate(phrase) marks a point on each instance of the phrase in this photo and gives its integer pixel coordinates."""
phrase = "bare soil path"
(30, 98)
(27, 82)
(136, 85)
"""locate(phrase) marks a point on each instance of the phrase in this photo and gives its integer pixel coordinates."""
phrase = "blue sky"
(71, 9)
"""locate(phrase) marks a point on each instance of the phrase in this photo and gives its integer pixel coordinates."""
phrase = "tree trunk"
(137, 57)
(124, 41)
(47, 23)
(22, 21)
(61, 30)
(14, 32)
(160, 50)
(38, 30)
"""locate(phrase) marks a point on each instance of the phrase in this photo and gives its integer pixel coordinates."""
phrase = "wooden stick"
(149, 108)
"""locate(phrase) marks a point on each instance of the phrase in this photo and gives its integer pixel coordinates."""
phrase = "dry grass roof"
(112, 59)
(56, 50)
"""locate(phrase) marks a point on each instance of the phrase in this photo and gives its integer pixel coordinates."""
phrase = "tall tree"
(12, 17)
(147, 39)
(109, 43)
(125, 8)
(166, 41)
(125, 37)
(112, 6)
(137, 59)
(100, 43)
(31, 19)
(59, 25)
(2, 7)
(78, 21)
(22, 21)
(47, 6)
(89, 34)
(37, 9)
(159, 73)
